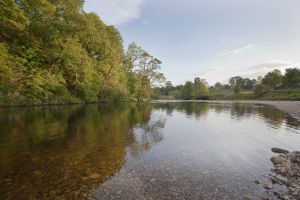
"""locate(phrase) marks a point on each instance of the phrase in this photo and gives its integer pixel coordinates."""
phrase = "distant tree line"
(53, 51)
(275, 80)
(199, 89)
(190, 90)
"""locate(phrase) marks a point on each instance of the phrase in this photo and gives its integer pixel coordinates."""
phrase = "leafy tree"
(236, 81)
(53, 51)
(145, 68)
(273, 79)
(200, 88)
(248, 83)
(218, 85)
(292, 78)
(187, 91)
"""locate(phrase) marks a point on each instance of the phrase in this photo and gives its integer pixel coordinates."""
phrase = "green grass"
(275, 95)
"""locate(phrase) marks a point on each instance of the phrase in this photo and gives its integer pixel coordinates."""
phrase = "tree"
(200, 88)
(168, 87)
(273, 79)
(236, 81)
(53, 51)
(248, 83)
(148, 73)
(218, 85)
(187, 91)
(292, 78)
(145, 68)
(11, 18)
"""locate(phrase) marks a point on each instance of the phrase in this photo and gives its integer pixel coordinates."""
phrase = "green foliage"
(200, 88)
(273, 79)
(187, 91)
(11, 17)
(259, 90)
(292, 78)
(143, 71)
(237, 89)
(52, 51)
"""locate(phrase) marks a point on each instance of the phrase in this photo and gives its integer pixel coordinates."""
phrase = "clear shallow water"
(141, 151)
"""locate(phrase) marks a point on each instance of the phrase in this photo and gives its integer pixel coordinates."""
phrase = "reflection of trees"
(145, 134)
(238, 111)
(190, 109)
(67, 151)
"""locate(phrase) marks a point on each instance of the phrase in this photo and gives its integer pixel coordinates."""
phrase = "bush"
(259, 90)
(237, 89)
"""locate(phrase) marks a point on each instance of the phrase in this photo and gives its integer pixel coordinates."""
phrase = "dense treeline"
(52, 51)
(199, 89)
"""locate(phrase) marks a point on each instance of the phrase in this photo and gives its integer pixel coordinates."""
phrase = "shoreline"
(290, 107)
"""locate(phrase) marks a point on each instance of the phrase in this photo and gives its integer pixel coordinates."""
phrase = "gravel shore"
(290, 107)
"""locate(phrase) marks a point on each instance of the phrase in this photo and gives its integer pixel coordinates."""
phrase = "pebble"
(94, 176)
(119, 192)
(152, 180)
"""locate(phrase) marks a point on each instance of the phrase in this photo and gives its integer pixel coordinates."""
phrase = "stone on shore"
(279, 150)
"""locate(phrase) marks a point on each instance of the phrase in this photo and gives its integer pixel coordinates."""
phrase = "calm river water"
(183, 150)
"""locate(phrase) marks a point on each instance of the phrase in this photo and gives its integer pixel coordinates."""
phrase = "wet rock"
(277, 180)
(277, 160)
(286, 173)
(279, 150)
(268, 186)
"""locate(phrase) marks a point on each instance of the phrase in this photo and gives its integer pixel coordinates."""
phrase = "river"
(166, 150)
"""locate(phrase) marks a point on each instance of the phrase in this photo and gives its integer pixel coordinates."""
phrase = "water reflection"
(238, 111)
(67, 151)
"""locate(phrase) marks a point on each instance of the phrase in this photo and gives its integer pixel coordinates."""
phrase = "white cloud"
(115, 12)
(227, 52)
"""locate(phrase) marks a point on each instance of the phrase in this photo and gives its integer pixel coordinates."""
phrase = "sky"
(210, 39)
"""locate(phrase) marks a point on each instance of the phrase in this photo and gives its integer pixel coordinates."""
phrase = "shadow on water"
(67, 151)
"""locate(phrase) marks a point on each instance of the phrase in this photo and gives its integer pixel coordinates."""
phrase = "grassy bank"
(228, 94)
(274, 95)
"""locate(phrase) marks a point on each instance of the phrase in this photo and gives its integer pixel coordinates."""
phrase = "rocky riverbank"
(290, 107)
(284, 180)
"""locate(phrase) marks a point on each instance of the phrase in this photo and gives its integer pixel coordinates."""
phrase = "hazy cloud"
(115, 11)
(227, 52)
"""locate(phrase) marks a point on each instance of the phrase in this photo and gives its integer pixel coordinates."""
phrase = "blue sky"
(213, 39)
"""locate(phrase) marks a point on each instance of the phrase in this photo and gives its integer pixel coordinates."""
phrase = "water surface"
(183, 150)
